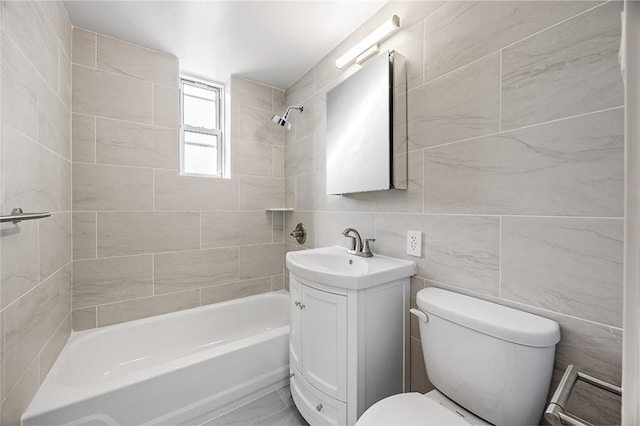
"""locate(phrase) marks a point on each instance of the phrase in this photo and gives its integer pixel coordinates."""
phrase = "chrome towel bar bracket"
(17, 215)
(556, 414)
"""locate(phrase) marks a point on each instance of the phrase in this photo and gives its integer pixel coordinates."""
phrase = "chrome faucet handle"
(367, 249)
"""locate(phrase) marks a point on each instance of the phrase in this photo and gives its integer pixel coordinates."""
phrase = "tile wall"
(515, 121)
(35, 168)
(146, 240)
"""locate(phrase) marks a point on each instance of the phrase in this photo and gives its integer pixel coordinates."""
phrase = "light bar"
(367, 54)
(381, 33)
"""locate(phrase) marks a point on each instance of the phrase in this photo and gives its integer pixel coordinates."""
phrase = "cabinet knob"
(319, 407)
(291, 375)
(302, 306)
(297, 303)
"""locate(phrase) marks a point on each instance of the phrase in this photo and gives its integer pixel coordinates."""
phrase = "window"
(201, 131)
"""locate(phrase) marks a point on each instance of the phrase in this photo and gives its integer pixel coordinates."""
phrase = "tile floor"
(274, 409)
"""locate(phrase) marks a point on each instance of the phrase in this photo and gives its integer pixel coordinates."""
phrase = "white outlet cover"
(414, 243)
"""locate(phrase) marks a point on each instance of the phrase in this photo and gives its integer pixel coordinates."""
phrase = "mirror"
(366, 128)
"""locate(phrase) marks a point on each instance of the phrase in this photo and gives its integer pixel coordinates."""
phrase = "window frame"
(219, 132)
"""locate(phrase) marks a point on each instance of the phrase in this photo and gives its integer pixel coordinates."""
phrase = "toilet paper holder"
(556, 414)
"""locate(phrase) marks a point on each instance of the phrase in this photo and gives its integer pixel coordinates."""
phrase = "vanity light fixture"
(378, 35)
(367, 54)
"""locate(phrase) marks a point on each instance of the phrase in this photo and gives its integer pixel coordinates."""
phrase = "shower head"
(282, 121)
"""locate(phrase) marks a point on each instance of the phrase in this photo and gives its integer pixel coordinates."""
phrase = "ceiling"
(273, 42)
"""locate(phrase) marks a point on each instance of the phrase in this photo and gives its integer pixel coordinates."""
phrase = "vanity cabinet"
(347, 348)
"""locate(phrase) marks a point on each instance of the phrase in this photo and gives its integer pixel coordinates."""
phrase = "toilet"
(490, 364)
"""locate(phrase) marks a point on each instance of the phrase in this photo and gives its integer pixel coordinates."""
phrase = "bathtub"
(186, 367)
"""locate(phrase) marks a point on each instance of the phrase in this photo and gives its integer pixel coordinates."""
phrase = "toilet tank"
(492, 360)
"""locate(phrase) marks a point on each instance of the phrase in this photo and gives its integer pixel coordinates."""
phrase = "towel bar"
(556, 414)
(17, 215)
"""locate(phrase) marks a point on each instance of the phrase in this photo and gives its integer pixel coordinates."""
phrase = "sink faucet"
(356, 247)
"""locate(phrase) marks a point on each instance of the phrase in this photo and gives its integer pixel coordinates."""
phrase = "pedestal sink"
(335, 267)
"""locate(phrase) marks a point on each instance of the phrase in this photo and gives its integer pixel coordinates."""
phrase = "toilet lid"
(410, 409)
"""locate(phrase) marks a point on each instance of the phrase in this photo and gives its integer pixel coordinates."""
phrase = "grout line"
(153, 274)
(131, 167)
(153, 296)
(448, 73)
(36, 286)
(424, 51)
(303, 174)
(424, 175)
(24, 373)
(526, 216)
(3, 330)
(177, 251)
(138, 123)
(153, 190)
(226, 283)
(507, 131)
(37, 226)
(38, 74)
(262, 210)
(508, 45)
(53, 27)
(500, 95)
(501, 301)
(557, 24)
(95, 141)
(30, 139)
(96, 235)
(153, 103)
(500, 257)
(119, 74)
(126, 42)
(286, 402)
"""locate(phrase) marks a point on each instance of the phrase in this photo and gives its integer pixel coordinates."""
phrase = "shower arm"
(286, 114)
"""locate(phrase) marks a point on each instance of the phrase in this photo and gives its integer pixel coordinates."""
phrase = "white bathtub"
(181, 368)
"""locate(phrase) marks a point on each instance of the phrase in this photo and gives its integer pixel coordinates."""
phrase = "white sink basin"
(335, 267)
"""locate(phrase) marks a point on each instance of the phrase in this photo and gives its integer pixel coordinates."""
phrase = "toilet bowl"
(412, 409)
(490, 364)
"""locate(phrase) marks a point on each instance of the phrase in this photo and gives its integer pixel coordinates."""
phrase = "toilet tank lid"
(489, 318)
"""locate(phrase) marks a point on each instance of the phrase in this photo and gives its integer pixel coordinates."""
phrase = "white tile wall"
(35, 256)
(147, 240)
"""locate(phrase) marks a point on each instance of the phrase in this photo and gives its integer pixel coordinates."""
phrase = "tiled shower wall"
(35, 266)
(515, 121)
(146, 240)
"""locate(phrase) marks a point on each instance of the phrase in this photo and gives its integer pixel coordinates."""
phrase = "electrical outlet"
(414, 243)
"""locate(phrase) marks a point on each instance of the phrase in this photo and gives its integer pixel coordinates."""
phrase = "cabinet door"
(324, 341)
(295, 331)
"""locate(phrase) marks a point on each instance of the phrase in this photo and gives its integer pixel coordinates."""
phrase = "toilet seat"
(412, 409)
